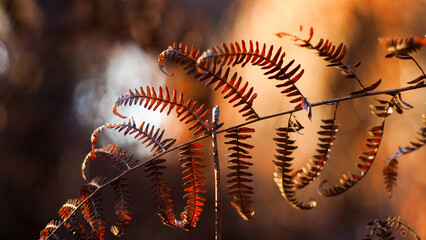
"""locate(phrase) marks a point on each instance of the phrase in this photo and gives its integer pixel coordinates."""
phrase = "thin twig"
(217, 189)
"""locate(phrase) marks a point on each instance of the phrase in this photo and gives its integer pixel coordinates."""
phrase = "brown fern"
(270, 62)
(333, 55)
(50, 231)
(185, 110)
(122, 206)
(92, 208)
(193, 186)
(283, 162)
(384, 109)
(180, 55)
(160, 192)
(239, 176)
(67, 211)
(383, 228)
(390, 171)
(117, 158)
(326, 139)
(402, 47)
(142, 133)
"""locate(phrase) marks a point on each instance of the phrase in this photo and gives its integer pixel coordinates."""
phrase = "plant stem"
(217, 189)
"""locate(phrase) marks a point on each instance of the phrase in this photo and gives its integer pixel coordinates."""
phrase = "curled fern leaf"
(383, 110)
(283, 162)
(49, 229)
(122, 206)
(333, 55)
(384, 226)
(92, 208)
(263, 57)
(160, 192)
(192, 177)
(239, 175)
(67, 211)
(151, 136)
(185, 110)
(231, 86)
(326, 139)
(390, 170)
(117, 157)
(402, 47)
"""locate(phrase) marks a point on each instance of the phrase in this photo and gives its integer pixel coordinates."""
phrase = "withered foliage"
(215, 67)
(384, 227)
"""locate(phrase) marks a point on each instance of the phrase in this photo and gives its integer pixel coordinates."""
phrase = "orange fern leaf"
(256, 56)
(117, 158)
(122, 206)
(327, 137)
(67, 211)
(402, 47)
(383, 110)
(186, 111)
(231, 86)
(92, 208)
(239, 175)
(49, 232)
(283, 162)
(193, 186)
(142, 133)
(390, 170)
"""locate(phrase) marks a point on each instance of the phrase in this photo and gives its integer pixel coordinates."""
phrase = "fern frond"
(283, 162)
(143, 133)
(92, 208)
(73, 223)
(402, 47)
(180, 55)
(117, 158)
(384, 226)
(390, 170)
(192, 177)
(326, 139)
(383, 110)
(231, 88)
(239, 176)
(122, 206)
(185, 110)
(160, 192)
(333, 55)
(49, 229)
(263, 57)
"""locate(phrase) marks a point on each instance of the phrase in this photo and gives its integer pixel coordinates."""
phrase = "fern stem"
(418, 65)
(217, 189)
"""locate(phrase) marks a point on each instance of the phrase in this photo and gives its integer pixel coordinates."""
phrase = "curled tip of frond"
(402, 47)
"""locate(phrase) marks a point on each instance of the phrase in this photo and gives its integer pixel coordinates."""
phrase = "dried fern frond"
(390, 170)
(402, 47)
(239, 176)
(67, 211)
(180, 55)
(333, 55)
(92, 208)
(192, 177)
(50, 228)
(122, 206)
(263, 57)
(283, 162)
(384, 109)
(185, 110)
(327, 136)
(143, 133)
(117, 158)
(384, 226)
(160, 192)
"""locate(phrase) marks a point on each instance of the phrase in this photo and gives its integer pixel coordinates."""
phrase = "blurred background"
(63, 64)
